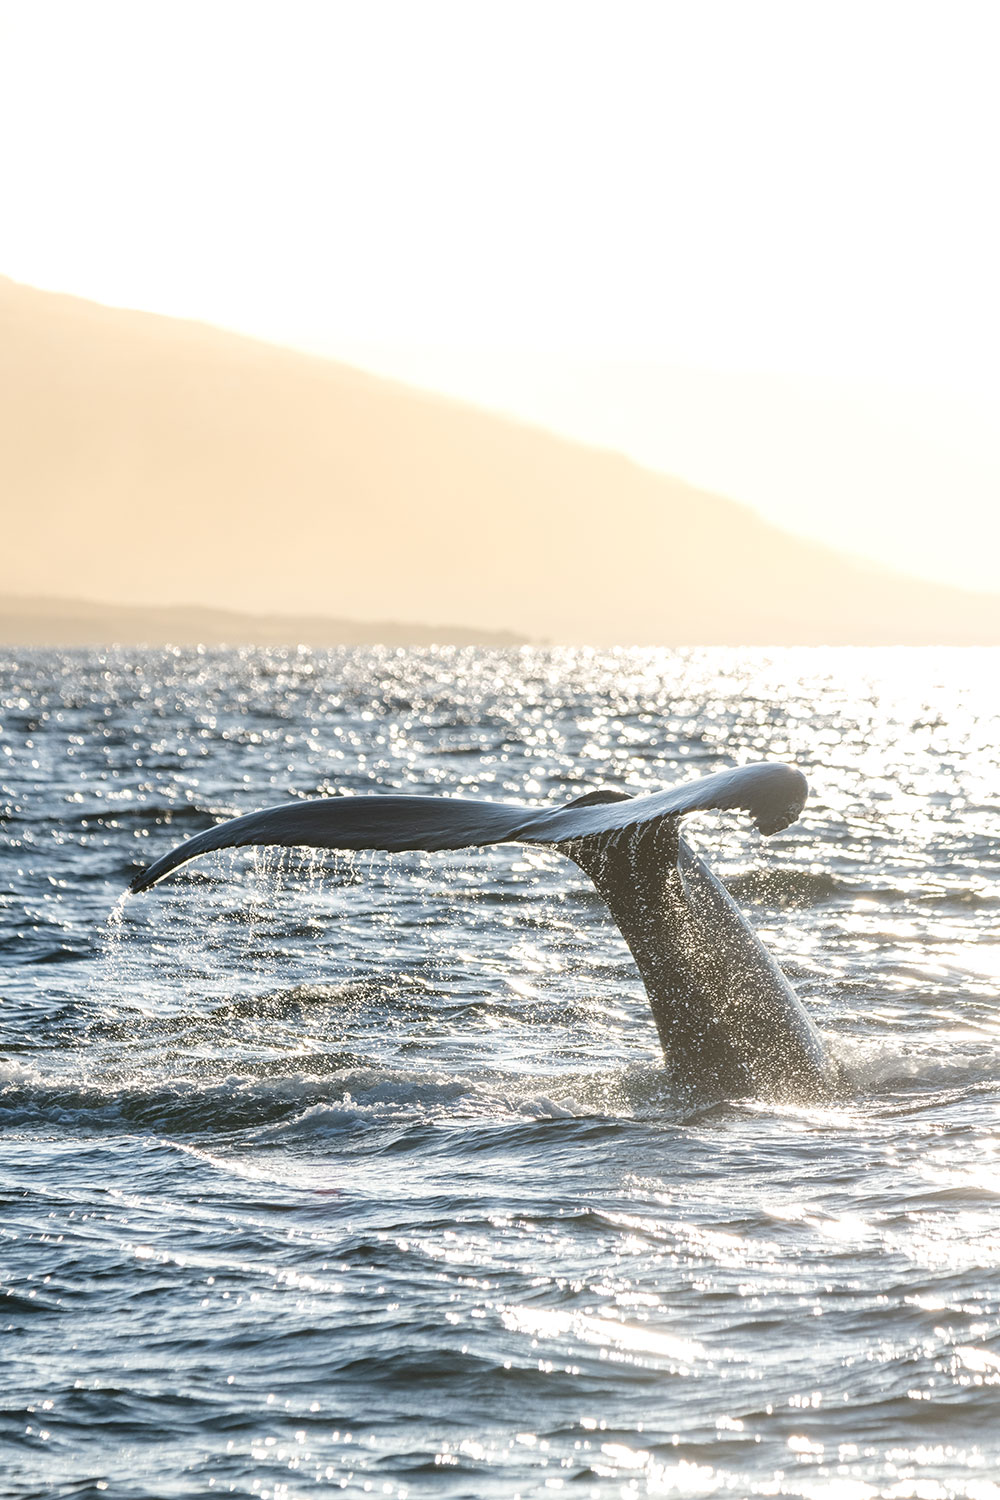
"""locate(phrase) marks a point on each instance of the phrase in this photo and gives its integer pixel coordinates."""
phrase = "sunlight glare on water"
(330, 1173)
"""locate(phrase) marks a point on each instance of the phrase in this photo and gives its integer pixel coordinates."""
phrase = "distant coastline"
(39, 621)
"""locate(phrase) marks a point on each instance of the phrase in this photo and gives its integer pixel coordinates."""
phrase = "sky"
(753, 244)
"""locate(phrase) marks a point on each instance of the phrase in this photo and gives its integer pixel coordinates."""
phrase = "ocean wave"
(272, 1102)
(884, 1066)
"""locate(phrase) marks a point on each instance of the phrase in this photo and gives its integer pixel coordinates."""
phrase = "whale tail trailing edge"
(773, 795)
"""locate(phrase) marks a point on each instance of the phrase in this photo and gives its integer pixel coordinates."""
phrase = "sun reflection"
(608, 1333)
(982, 958)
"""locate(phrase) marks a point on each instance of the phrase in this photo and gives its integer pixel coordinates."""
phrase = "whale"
(728, 1020)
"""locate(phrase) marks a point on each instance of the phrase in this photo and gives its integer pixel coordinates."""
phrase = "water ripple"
(364, 1174)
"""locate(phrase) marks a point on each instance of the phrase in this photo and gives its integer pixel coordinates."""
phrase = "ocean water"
(330, 1174)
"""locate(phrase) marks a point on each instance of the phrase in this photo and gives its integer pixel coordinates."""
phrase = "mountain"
(149, 460)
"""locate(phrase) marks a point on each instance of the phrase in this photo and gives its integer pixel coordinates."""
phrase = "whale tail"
(772, 794)
(724, 1011)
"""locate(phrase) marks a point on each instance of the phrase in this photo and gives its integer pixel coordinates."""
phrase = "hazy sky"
(753, 243)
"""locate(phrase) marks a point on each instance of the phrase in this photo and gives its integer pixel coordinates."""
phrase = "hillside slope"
(150, 460)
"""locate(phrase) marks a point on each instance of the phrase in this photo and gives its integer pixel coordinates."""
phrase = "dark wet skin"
(727, 1019)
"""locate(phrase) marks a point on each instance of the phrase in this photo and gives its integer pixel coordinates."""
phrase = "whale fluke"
(772, 794)
(727, 1017)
